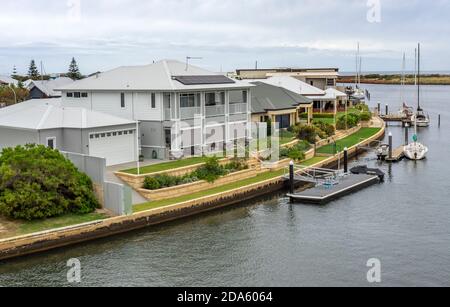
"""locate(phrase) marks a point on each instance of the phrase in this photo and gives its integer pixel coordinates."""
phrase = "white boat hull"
(423, 123)
(415, 151)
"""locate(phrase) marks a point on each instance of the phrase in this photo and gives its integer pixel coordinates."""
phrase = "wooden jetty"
(396, 118)
(397, 154)
(322, 194)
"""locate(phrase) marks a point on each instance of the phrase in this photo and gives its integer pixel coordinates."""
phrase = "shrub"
(365, 116)
(353, 120)
(296, 152)
(37, 182)
(151, 183)
(328, 129)
(307, 133)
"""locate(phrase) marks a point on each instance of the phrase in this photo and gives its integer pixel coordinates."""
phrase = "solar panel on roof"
(203, 80)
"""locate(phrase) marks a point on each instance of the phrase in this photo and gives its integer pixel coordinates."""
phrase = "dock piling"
(379, 108)
(406, 136)
(390, 145)
(387, 109)
(291, 178)
(345, 160)
(439, 121)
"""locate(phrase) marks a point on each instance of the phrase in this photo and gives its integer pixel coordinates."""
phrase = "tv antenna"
(188, 58)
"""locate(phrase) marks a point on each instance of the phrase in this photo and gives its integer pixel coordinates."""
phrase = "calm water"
(269, 242)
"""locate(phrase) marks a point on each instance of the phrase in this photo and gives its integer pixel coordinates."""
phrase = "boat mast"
(403, 81)
(357, 69)
(418, 78)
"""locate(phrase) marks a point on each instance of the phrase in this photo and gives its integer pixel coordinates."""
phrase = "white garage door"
(117, 147)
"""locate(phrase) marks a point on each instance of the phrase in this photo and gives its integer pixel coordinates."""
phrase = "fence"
(114, 197)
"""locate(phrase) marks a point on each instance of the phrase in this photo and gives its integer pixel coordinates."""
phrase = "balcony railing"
(237, 108)
(189, 113)
(167, 114)
(218, 110)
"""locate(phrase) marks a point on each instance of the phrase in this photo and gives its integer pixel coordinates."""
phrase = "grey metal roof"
(153, 77)
(41, 114)
(267, 97)
(48, 86)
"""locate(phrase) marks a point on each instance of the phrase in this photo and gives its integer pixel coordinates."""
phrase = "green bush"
(296, 152)
(353, 120)
(365, 116)
(37, 182)
(151, 183)
(328, 129)
(307, 133)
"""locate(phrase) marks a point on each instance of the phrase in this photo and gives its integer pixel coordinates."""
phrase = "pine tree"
(74, 71)
(33, 72)
(14, 72)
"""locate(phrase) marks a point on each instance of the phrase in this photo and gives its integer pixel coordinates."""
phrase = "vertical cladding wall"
(13, 137)
(152, 139)
(74, 141)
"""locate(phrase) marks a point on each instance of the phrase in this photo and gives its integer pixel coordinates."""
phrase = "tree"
(38, 182)
(14, 72)
(33, 72)
(74, 71)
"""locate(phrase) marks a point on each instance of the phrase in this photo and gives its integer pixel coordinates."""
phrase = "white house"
(73, 129)
(181, 109)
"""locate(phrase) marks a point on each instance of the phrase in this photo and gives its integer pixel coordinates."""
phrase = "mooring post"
(387, 109)
(379, 108)
(439, 121)
(390, 145)
(291, 178)
(406, 134)
(345, 160)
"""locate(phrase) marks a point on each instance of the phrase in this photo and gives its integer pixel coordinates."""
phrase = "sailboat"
(422, 119)
(416, 150)
(358, 94)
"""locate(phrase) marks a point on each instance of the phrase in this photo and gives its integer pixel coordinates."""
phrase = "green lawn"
(58, 222)
(324, 120)
(313, 161)
(165, 166)
(349, 141)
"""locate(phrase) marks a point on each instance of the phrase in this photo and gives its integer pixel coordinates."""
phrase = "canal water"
(403, 222)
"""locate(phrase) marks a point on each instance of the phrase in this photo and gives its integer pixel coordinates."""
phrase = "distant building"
(46, 88)
(279, 105)
(322, 78)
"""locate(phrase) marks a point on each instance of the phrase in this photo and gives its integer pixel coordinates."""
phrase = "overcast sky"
(228, 34)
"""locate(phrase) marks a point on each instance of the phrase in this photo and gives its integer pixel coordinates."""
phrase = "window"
(84, 95)
(153, 101)
(122, 100)
(330, 82)
(312, 83)
(244, 96)
(188, 101)
(70, 95)
(77, 94)
(51, 142)
(213, 99)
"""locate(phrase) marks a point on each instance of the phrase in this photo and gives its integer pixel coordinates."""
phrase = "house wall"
(13, 137)
(152, 139)
(49, 133)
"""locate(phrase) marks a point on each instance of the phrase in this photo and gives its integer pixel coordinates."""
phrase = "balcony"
(190, 113)
(217, 110)
(238, 108)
